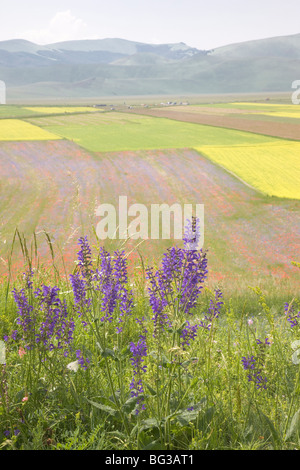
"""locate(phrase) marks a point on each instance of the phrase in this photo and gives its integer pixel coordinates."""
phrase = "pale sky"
(205, 24)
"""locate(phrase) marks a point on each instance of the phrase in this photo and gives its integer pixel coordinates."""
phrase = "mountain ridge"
(115, 66)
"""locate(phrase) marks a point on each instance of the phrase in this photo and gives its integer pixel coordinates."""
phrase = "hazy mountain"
(103, 67)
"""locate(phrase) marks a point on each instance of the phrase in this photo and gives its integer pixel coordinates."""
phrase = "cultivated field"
(16, 129)
(115, 131)
(272, 168)
(201, 350)
(55, 186)
(278, 121)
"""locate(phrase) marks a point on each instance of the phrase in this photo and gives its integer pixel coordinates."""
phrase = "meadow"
(154, 346)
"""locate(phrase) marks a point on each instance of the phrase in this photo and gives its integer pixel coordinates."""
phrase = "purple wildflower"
(111, 280)
(195, 273)
(47, 323)
(141, 322)
(248, 362)
(56, 328)
(26, 319)
(49, 304)
(255, 365)
(139, 352)
(82, 301)
(84, 362)
(13, 336)
(265, 343)
(178, 283)
(158, 300)
(213, 311)
(189, 333)
(85, 258)
(192, 234)
(27, 278)
(292, 316)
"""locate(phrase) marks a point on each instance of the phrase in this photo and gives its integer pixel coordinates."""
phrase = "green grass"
(121, 131)
(7, 111)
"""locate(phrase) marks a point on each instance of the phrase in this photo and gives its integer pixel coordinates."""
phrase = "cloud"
(62, 27)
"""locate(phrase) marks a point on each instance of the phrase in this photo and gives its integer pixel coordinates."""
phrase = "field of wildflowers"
(159, 361)
(54, 187)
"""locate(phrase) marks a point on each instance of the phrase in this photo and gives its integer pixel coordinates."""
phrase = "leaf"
(294, 426)
(106, 352)
(151, 390)
(118, 435)
(105, 408)
(131, 403)
(199, 406)
(125, 351)
(187, 417)
(153, 445)
(149, 423)
(275, 436)
(206, 419)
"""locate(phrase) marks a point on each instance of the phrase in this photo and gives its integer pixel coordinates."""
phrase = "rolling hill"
(108, 67)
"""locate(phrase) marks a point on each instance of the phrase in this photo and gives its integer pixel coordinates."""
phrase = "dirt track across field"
(274, 129)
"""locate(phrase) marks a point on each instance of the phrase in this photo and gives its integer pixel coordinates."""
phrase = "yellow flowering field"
(271, 168)
(292, 114)
(270, 109)
(62, 109)
(16, 129)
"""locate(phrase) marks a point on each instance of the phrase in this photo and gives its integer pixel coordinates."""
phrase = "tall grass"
(102, 359)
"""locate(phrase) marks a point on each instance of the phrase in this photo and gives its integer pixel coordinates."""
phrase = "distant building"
(2, 92)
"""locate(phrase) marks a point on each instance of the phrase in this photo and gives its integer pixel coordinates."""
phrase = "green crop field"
(112, 132)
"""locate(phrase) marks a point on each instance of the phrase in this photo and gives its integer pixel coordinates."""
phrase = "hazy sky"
(204, 24)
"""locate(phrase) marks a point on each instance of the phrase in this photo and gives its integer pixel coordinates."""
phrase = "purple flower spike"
(292, 316)
(139, 352)
(85, 257)
(111, 280)
(189, 333)
(84, 362)
(252, 365)
(178, 283)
